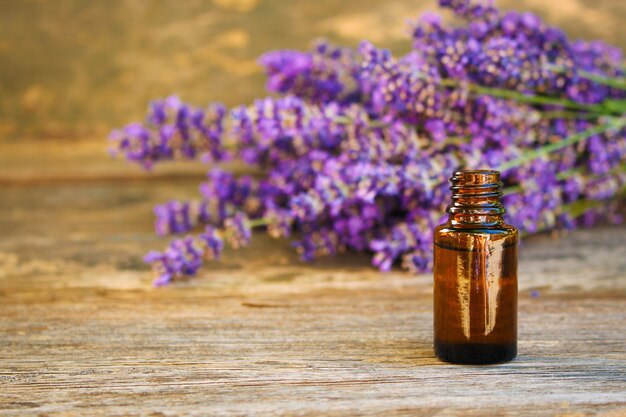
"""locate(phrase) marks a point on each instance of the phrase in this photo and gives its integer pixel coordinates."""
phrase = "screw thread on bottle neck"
(476, 197)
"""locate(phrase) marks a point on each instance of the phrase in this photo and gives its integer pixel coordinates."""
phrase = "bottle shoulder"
(502, 228)
(448, 232)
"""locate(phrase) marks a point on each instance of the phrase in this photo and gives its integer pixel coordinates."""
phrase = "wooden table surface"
(82, 332)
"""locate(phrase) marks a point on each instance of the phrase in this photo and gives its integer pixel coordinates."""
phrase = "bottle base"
(475, 353)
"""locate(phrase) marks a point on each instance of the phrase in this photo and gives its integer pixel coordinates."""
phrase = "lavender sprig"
(354, 152)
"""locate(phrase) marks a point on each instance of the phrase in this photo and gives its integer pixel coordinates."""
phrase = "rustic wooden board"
(83, 332)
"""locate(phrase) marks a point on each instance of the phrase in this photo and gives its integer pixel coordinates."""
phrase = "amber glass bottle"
(475, 270)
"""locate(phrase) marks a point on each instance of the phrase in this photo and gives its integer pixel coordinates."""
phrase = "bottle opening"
(476, 177)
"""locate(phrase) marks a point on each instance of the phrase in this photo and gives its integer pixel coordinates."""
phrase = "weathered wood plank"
(82, 331)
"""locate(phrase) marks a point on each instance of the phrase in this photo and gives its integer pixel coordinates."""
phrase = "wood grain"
(83, 333)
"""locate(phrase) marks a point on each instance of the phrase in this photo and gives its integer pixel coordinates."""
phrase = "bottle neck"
(476, 199)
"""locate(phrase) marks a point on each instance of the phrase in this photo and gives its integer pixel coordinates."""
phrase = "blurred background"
(73, 69)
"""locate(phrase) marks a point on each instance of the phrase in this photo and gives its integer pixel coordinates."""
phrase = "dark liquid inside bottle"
(475, 269)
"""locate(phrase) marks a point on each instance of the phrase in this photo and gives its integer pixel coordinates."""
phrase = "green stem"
(568, 114)
(600, 79)
(513, 189)
(525, 98)
(611, 82)
(252, 223)
(345, 120)
(580, 207)
(570, 140)
(456, 140)
(576, 209)
(569, 173)
(260, 222)
(565, 175)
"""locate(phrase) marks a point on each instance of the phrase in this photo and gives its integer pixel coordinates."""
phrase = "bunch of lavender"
(354, 148)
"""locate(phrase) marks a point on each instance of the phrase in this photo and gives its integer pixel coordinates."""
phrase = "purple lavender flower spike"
(173, 217)
(176, 217)
(418, 261)
(183, 257)
(214, 245)
(238, 230)
(327, 73)
(280, 222)
(173, 130)
(320, 242)
(354, 151)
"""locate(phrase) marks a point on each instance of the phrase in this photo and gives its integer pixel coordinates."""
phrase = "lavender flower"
(327, 73)
(318, 242)
(173, 217)
(173, 130)
(280, 222)
(185, 256)
(355, 151)
(238, 230)
(213, 244)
